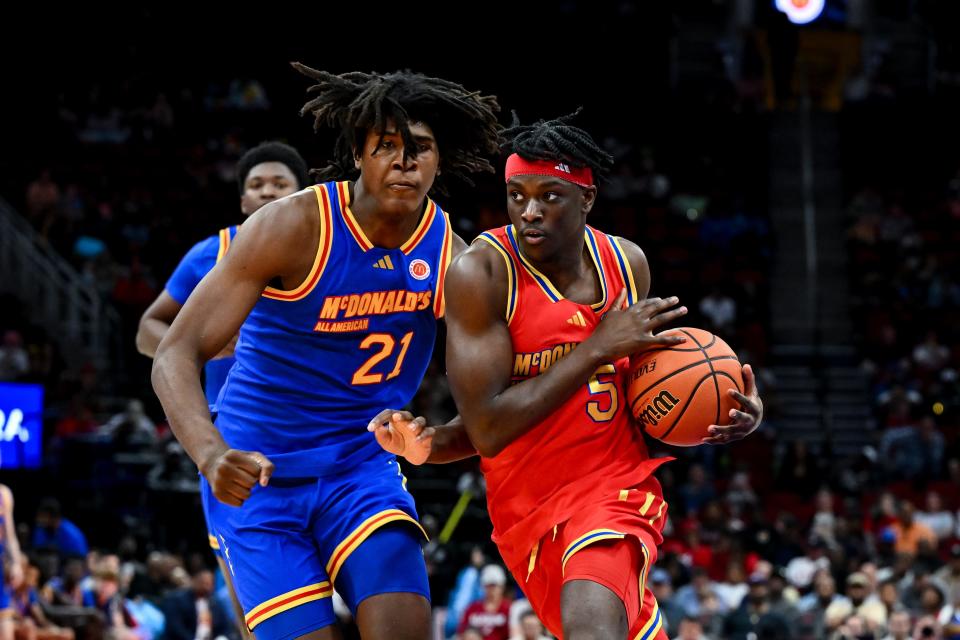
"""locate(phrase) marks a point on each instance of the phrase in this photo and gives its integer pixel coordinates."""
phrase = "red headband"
(517, 166)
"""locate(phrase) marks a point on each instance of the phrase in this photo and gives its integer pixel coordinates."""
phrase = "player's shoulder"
(477, 275)
(293, 217)
(477, 261)
(631, 251)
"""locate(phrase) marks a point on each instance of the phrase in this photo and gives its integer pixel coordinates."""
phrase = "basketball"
(676, 392)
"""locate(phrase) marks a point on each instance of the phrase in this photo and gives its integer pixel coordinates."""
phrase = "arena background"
(798, 187)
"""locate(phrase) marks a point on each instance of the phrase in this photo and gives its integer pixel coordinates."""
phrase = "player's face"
(399, 184)
(548, 214)
(266, 182)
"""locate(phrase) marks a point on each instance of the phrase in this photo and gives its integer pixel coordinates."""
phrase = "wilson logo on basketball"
(658, 408)
(419, 269)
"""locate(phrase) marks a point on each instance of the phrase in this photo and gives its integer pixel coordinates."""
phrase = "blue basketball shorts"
(296, 539)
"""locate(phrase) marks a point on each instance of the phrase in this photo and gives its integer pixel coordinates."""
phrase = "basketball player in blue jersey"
(265, 173)
(338, 289)
(12, 561)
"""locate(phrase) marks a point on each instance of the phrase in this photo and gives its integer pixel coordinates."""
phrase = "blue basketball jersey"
(316, 363)
(192, 268)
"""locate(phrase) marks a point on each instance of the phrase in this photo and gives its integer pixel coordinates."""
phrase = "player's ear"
(356, 158)
(589, 195)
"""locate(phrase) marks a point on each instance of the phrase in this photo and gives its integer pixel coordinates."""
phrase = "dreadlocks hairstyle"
(273, 152)
(556, 140)
(464, 122)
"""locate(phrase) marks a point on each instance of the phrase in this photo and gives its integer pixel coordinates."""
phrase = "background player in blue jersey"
(265, 173)
(269, 171)
(11, 559)
(338, 289)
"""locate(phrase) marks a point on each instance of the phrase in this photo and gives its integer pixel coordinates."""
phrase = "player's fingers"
(749, 381)
(231, 491)
(621, 301)
(384, 434)
(266, 467)
(380, 418)
(243, 461)
(228, 499)
(720, 434)
(667, 316)
(417, 424)
(647, 305)
(401, 416)
(426, 435)
(744, 401)
(238, 490)
(664, 338)
(660, 304)
(742, 418)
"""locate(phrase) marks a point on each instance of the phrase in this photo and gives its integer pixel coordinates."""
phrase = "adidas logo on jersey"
(563, 167)
(577, 319)
(383, 263)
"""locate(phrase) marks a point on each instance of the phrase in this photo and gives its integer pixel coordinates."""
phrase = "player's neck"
(570, 270)
(383, 228)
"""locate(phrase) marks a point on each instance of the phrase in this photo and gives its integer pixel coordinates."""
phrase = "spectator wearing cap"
(491, 615)
(662, 587)
(865, 603)
(947, 577)
(754, 618)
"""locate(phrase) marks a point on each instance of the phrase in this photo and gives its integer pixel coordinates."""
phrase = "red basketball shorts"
(612, 542)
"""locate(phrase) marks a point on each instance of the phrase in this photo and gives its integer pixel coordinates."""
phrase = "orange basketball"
(676, 392)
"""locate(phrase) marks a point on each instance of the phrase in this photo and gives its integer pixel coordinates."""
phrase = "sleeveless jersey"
(315, 364)
(192, 268)
(589, 445)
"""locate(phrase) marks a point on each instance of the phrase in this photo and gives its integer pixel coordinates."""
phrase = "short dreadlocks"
(556, 140)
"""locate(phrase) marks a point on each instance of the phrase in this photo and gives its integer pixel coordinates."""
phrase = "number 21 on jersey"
(384, 344)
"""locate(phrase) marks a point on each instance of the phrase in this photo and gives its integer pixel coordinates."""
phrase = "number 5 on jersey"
(387, 345)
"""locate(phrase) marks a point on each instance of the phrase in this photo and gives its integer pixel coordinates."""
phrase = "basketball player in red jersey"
(542, 317)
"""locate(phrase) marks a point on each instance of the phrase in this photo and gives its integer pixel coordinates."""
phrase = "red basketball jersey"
(587, 446)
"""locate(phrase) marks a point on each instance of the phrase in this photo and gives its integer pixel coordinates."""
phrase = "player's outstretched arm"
(273, 243)
(403, 435)
(480, 352)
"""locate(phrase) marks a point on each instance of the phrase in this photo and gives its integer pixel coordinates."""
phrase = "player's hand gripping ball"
(692, 393)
